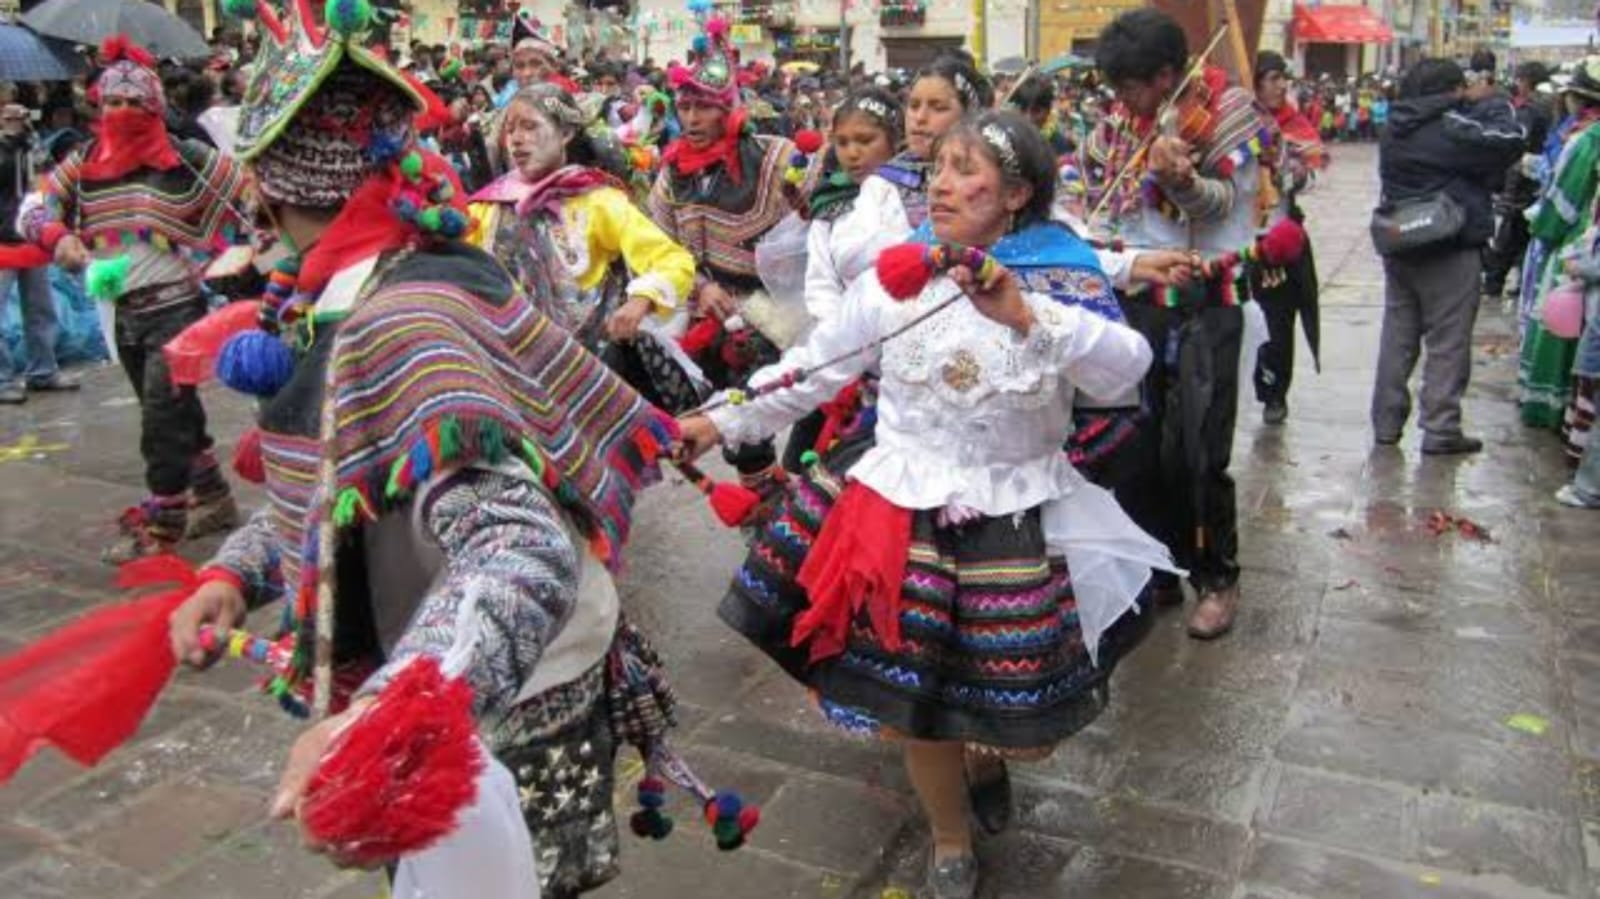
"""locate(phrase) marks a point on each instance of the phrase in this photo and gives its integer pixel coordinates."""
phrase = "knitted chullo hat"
(130, 74)
(714, 77)
(354, 123)
(298, 55)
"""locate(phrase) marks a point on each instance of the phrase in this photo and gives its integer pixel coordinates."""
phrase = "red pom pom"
(717, 28)
(700, 336)
(733, 503)
(677, 75)
(749, 818)
(904, 270)
(247, 462)
(395, 780)
(1283, 243)
(119, 47)
(808, 141)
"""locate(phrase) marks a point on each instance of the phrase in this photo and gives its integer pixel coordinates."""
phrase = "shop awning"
(1340, 24)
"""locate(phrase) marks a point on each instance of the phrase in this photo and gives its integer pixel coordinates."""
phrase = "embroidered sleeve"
(1099, 357)
(251, 554)
(851, 329)
(509, 583)
(1208, 199)
(45, 215)
(663, 271)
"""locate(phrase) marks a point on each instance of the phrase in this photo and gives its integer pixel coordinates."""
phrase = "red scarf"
(368, 224)
(128, 139)
(858, 563)
(686, 159)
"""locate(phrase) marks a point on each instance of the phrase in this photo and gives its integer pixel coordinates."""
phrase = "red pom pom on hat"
(717, 28)
(808, 141)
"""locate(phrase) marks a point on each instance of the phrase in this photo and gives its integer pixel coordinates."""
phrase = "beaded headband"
(969, 94)
(1000, 141)
(878, 109)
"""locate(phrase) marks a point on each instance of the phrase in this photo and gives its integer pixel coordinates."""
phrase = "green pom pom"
(348, 17)
(411, 165)
(809, 458)
(430, 219)
(107, 279)
(239, 9)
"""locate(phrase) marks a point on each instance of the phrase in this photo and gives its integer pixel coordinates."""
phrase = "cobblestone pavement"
(1353, 738)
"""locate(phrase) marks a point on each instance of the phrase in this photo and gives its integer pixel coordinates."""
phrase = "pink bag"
(1562, 312)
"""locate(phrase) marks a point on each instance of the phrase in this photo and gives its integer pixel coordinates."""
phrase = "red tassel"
(904, 270)
(395, 781)
(807, 141)
(1283, 244)
(733, 503)
(700, 336)
(247, 460)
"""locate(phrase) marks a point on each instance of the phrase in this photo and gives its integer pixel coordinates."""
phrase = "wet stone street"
(1399, 713)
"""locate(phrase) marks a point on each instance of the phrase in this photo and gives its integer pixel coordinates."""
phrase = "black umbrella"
(92, 21)
(25, 56)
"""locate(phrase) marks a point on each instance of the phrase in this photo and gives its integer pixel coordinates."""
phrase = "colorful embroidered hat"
(714, 77)
(297, 55)
(130, 73)
(527, 33)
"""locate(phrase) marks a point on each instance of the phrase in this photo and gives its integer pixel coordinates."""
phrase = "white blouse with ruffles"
(972, 416)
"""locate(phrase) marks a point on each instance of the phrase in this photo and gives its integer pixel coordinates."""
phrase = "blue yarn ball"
(452, 223)
(700, 44)
(729, 805)
(405, 209)
(256, 363)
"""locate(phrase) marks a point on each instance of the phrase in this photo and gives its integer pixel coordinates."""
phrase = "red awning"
(1333, 24)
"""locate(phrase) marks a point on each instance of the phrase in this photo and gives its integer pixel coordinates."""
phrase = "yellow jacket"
(600, 226)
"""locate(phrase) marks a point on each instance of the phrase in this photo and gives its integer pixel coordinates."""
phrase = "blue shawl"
(1049, 258)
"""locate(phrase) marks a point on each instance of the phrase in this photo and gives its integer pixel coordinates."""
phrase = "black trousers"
(1173, 477)
(1282, 304)
(1505, 252)
(172, 426)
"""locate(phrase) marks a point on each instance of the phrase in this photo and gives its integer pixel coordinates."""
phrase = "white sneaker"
(1570, 496)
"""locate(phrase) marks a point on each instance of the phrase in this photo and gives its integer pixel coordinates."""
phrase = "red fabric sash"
(858, 561)
(128, 139)
(686, 159)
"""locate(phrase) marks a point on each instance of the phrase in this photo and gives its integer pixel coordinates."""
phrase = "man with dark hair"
(1438, 142)
(1291, 292)
(1036, 99)
(1200, 195)
(1521, 189)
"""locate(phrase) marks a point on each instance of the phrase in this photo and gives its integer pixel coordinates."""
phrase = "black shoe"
(56, 383)
(1386, 439)
(1275, 413)
(991, 800)
(1453, 445)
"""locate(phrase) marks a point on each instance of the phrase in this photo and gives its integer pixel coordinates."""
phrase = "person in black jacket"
(39, 324)
(1511, 239)
(1438, 142)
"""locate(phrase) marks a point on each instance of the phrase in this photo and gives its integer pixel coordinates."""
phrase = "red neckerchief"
(368, 224)
(129, 139)
(689, 160)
